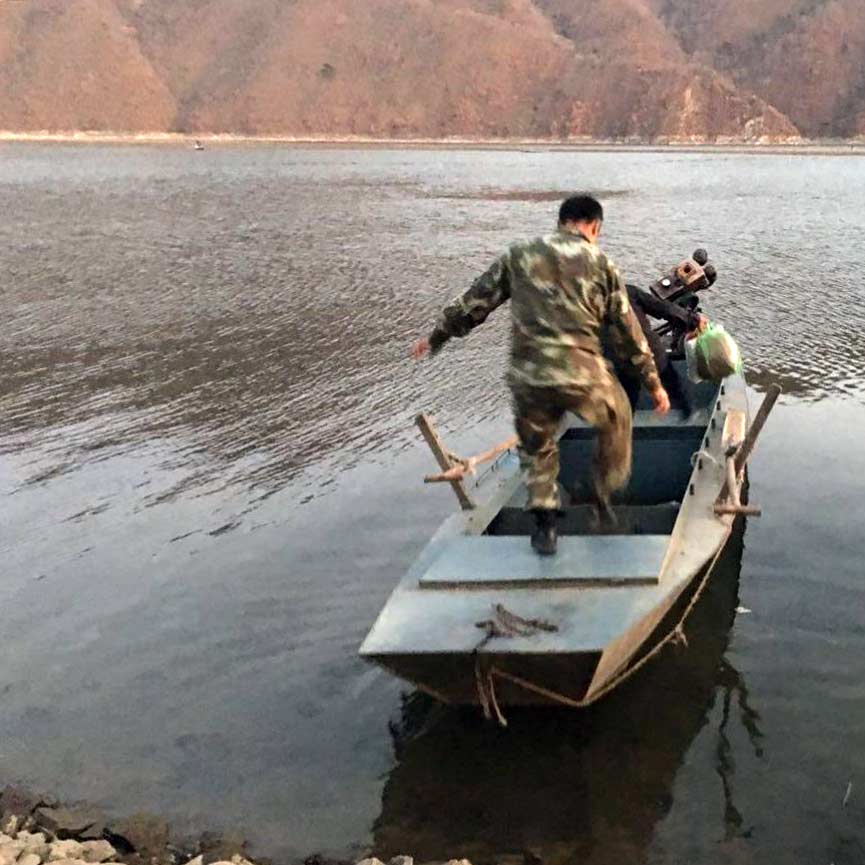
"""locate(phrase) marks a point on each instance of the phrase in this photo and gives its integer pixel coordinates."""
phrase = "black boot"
(546, 534)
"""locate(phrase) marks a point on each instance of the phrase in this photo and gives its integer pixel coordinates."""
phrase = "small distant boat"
(198, 146)
(481, 619)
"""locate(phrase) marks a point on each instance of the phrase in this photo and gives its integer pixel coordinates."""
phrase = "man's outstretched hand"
(661, 401)
(420, 348)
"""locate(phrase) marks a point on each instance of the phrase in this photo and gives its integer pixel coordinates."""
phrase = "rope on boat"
(525, 627)
(492, 468)
(487, 693)
(482, 690)
(703, 454)
(507, 625)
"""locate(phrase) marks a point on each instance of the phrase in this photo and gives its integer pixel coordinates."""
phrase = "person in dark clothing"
(683, 320)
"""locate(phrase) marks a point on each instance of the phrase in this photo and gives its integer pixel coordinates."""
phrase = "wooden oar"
(465, 467)
(728, 500)
(444, 459)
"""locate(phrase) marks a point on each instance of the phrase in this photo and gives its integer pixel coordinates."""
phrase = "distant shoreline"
(809, 148)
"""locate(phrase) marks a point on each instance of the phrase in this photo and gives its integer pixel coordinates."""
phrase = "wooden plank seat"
(484, 561)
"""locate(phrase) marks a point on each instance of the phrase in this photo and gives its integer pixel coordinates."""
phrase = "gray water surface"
(210, 484)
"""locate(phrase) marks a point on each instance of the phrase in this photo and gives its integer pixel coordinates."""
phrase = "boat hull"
(479, 619)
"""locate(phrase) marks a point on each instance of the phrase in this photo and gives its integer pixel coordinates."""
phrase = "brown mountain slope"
(805, 57)
(646, 85)
(379, 71)
(645, 69)
(67, 64)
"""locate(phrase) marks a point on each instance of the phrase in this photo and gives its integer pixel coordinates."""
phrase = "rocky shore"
(36, 829)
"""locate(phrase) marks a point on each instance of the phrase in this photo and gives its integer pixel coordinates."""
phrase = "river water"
(209, 484)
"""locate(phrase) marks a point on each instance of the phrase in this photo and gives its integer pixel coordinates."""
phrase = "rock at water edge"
(33, 842)
(67, 822)
(68, 849)
(97, 851)
(221, 847)
(141, 833)
(18, 802)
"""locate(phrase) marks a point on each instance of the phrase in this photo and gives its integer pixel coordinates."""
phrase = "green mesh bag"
(712, 355)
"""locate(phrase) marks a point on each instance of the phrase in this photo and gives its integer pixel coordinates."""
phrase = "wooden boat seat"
(485, 561)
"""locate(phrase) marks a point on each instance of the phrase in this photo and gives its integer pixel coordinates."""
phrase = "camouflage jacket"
(564, 293)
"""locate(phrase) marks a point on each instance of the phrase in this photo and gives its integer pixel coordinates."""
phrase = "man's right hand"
(420, 348)
(661, 401)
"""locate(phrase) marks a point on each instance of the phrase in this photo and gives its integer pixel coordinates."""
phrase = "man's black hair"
(581, 208)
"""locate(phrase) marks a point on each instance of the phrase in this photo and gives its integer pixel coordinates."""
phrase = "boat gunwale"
(704, 486)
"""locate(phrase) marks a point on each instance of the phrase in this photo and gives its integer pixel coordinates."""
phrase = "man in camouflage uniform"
(563, 291)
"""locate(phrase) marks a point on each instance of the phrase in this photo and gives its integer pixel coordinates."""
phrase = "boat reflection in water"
(563, 785)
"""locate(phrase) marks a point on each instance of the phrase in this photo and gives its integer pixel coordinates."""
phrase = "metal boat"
(481, 618)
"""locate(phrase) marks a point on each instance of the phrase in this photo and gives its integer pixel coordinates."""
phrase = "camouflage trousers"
(538, 411)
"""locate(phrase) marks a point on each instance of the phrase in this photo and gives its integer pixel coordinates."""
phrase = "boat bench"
(483, 562)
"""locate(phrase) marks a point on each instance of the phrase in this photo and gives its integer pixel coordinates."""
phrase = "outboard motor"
(681, 286)
(686, 278)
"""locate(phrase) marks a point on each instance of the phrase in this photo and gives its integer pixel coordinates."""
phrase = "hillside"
(632, 69)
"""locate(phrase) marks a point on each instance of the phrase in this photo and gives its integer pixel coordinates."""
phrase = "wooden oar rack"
(728, 501)
(454, 469)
